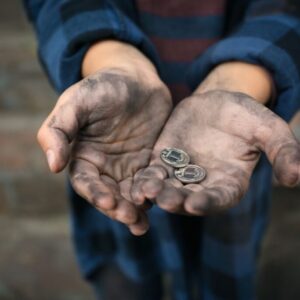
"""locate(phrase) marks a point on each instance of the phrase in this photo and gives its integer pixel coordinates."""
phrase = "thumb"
(287, 164)
(283, 151)
(56, 134)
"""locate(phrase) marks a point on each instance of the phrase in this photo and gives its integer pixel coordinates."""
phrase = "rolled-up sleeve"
(66, 29)
(272, 41)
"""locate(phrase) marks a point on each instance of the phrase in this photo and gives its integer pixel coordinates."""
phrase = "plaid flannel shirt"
(185, 40)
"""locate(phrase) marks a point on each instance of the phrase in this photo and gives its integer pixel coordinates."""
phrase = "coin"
(190, 174)
(175, 157)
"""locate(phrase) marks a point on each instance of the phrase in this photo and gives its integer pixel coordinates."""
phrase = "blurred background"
(36, 257)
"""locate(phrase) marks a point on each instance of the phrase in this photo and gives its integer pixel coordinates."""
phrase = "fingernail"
(138, 231)
(50, 159)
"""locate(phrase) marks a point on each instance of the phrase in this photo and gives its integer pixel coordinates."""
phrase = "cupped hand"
(224, 132)
(106, 126)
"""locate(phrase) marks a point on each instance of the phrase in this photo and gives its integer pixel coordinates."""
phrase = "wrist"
(115, 54)
(249, 79)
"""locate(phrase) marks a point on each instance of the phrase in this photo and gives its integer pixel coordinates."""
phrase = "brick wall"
(36, 256)
(26, 185)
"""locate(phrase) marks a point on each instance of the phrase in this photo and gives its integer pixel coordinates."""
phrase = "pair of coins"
(185, 172)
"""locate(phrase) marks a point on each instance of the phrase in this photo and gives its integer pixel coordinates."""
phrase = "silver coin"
(190, 174)
(175, 157)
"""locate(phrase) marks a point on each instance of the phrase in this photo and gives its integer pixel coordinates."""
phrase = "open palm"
(106, 126)
(225, 133)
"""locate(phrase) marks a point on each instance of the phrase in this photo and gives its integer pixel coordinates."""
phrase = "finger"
(151, 187)
(171, 199)
(56, 134)
(193, 187)
(87, 183)
(125, 187)
(147, 183)
(171, 196)
(124, 212)
(213, 200)
(101, 192)
(141, 226)
(145, 189)
(286, 164)
(283, 151)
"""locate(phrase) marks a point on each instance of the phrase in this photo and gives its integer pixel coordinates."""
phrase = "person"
(231, 70)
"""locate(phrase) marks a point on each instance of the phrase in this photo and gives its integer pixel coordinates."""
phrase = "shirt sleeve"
(66, 29)
(270, 40)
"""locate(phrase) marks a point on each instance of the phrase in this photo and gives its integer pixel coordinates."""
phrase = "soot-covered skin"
(224, 132)
(105, 126)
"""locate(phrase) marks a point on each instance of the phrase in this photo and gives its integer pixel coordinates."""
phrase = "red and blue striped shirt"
(181, 31)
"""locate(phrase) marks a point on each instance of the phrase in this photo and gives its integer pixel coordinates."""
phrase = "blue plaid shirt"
(217, 253)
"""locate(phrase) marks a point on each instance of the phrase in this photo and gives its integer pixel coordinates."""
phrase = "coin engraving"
(190, 174)
(174, 157)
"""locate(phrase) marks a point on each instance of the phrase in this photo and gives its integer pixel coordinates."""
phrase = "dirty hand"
(105, 126)
(224, 132)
